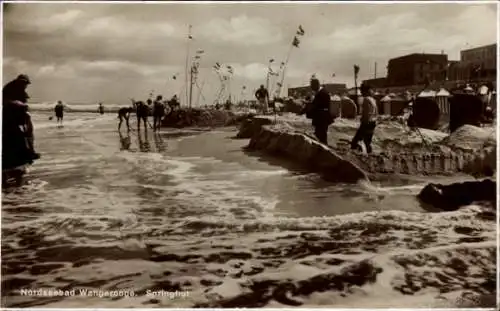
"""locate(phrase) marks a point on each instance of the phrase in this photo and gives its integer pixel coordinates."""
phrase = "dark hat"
(314, 79)
(24, 78)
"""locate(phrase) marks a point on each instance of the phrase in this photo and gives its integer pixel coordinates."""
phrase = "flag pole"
(356, 84)
(186, 71)
(295, 43)
(284, 69)
(268, 75)
(200, 90)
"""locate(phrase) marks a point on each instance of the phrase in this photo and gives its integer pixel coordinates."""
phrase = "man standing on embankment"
(369, 115)
(319, 111)
(262, 96)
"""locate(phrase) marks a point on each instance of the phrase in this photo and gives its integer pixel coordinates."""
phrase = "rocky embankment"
(469, 150)
(196, 117)
(453, 196)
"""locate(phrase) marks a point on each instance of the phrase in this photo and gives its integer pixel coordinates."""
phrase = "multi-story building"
(417, 68)
(376, 82)
(304, 91)
(479, 63)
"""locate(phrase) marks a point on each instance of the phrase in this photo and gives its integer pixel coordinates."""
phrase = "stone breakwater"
(196, 117)
(435, 154)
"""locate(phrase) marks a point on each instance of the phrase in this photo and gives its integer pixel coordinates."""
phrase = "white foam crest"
(400, 218)
(372, 187)
(175, 167)
(54, 163)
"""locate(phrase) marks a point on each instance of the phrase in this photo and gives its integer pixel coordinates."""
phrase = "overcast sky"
(110, 52)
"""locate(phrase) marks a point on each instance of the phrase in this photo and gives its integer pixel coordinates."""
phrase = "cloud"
(242, 30)
(120, 27)
(90, 52)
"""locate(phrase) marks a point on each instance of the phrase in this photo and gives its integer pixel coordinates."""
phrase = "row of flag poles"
(225, 72)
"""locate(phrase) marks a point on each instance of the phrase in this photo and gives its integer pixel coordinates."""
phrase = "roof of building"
(480, 47)
(421, 57)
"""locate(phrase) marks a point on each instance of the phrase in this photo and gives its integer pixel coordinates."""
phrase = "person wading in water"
(124, 114)
(369, 113)
(17, 127)
(319, 111)
(101, 108)
(59, 111)
(158, 113)
(262, 96)
(142, 113)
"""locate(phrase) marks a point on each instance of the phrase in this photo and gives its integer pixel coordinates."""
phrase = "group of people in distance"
(142, 111)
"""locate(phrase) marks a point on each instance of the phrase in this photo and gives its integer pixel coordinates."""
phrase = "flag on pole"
(296, 42)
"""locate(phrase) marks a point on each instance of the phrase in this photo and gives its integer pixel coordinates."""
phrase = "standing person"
(17, 127)
(142, 113)
(124, 114)
(173, 103)
(369, 113)
(59, 111)
(319, 111)
(101, 108)
(158, 112)
(262, 96)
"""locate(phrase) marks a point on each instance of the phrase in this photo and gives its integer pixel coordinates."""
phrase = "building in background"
(417, 68)
(454, 69)
(376, 82)
(476, 64)
(304, 91)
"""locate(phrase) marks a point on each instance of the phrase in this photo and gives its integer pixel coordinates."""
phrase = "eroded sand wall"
(282, 140)
(469, 150)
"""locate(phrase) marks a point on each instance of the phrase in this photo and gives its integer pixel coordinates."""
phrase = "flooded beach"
(329, 155)
(191, 211)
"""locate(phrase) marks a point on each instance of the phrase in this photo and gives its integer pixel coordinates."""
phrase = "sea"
(190, 218)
